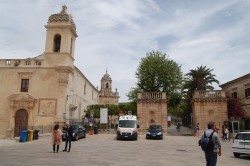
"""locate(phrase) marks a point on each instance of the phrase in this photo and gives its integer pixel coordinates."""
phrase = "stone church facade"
(106, 95)
(48, 88)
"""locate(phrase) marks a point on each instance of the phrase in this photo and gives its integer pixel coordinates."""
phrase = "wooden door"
(21, 121)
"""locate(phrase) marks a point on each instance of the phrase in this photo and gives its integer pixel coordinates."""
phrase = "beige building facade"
(209, 106)
(106, 95)
(152, 109)
(240, 89)
(48, 88)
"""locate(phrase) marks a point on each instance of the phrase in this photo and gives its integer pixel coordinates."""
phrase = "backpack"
(207, 143)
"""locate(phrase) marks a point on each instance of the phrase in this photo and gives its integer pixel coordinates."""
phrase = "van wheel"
(236, 155)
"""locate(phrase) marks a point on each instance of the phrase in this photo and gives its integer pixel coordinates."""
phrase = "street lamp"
(65, 109)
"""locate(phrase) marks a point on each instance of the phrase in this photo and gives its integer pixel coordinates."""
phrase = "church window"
(57, 43)
(234, 95)
(107, 85)
(27, 62)
(24, 85)
(8, 62)
(247, 93)
(85, 88)
(71, 46)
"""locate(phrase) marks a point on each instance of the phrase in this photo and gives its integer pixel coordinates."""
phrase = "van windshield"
(127, 123)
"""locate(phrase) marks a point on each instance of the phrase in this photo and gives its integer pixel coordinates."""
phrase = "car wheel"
(117, 138)
(84, 135)
(146, 137)
(236, 155)
(77, 137)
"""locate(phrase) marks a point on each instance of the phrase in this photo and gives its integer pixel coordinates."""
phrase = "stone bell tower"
(106, 96)
(60, 39)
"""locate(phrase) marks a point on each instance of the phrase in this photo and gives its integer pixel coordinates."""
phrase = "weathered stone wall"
(152, 109)
(209, 106)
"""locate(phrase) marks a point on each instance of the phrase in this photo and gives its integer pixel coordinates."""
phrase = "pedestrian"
(178, 127)
(226, 136)
(211, 156)
(215, 129)
(69, 135)
(223, 132)
(197, 130)
(56, 138)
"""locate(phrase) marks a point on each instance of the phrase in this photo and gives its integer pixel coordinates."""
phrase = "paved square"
(105, 150)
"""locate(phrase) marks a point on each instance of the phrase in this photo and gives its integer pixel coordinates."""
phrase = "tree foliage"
(112, 109)
(200, 78)
(157, 73)
(234, 108)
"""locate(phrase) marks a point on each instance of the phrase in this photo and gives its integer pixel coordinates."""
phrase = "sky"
(114, 35)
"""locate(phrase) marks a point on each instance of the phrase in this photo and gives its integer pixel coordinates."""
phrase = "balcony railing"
(151, 95)
(210, 94)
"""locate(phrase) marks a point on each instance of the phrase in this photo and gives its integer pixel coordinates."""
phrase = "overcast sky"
(116, 34)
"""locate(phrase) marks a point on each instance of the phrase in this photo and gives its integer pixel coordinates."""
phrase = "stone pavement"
(105, 150)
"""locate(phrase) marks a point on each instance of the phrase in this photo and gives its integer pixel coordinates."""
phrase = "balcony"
(209, 94)
(151, 95)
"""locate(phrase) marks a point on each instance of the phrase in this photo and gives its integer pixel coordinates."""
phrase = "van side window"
(247, 137)
(239, 136)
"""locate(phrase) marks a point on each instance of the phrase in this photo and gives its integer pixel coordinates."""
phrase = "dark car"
(154, 132)
(78, 132)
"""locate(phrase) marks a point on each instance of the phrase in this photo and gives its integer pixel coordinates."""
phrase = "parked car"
(78, 132)
(154, 131)
(241, 144)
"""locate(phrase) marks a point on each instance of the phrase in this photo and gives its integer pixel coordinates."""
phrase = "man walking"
(211, 155)
(69, 135)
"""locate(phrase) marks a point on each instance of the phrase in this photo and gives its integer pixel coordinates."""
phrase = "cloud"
(115, 35)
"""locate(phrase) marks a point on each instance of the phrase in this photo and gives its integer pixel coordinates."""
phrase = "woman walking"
(56, 138)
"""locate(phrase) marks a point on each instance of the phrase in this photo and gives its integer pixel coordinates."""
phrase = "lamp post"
(65, 109)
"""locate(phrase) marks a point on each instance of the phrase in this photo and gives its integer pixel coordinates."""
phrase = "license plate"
(126, 136)
(154, 135)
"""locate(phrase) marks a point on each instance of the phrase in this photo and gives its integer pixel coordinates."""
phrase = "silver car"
(241, 144)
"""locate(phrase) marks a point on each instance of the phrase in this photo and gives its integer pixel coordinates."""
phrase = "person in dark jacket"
(69, 136)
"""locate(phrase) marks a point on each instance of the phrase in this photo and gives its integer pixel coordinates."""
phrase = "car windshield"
(127, 123)
(155, 127)
(75, 127)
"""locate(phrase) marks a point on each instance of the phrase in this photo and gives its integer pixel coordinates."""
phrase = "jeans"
(68, 141)
(211, 158)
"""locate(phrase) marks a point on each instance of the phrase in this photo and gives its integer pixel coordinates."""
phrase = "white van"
(241, 144)
(127, 127)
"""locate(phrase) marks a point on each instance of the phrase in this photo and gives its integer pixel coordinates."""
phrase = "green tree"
(200, 78)
(157, 73)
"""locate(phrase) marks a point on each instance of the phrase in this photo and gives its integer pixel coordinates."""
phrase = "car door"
(247, 143)
(239, 142)
(81, 132)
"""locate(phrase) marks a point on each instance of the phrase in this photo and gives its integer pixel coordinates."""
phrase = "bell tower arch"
(60, 39)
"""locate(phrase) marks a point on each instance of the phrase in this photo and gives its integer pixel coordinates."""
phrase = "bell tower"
(106, 96)
(60, 39)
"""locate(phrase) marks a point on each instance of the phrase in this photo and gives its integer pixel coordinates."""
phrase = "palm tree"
(200, 78)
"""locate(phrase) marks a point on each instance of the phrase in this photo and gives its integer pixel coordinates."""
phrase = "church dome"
(63, 16)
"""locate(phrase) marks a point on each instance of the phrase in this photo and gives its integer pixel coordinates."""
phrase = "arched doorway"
(21, 121)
